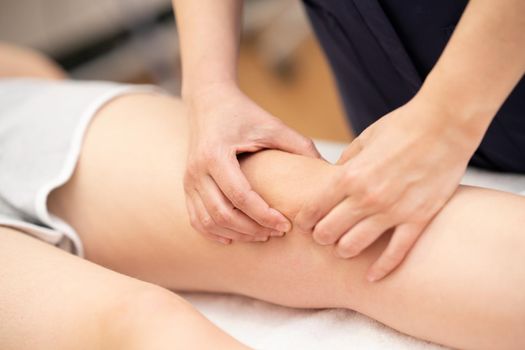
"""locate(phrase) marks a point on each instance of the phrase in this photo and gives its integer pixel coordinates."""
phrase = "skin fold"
(461, 285)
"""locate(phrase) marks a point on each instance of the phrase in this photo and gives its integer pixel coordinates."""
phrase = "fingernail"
(284, 227)
(224, 241)
(262, 239)
(277, 233)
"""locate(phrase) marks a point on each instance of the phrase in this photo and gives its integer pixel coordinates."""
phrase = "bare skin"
(404, 167)
(461, 285)
(53, 300)
(224, 123)
(401, 170)
(17, 61)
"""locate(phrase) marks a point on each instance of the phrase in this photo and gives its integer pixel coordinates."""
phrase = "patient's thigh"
(126, 200)
(128, 182)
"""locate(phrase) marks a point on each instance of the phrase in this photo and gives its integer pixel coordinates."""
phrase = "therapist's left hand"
(397, 174)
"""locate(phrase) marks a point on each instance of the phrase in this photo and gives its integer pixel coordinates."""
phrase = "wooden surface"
(302, 93)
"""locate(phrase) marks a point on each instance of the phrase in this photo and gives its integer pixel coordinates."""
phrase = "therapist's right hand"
(221, 203)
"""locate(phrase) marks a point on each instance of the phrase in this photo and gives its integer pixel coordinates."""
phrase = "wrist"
(194, 92)
(453, 111)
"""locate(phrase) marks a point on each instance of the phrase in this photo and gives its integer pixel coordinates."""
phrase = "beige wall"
(276, 33)
(53, 25)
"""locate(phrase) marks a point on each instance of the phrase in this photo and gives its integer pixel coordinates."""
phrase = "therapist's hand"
(397, 174)
(221, 203)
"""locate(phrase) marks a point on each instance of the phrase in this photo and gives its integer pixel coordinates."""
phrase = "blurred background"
(281, 66)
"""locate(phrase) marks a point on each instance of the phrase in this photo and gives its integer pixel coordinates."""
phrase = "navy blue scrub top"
(380, 52)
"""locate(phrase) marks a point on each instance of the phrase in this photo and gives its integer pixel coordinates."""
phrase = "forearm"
(480, 66)
(209, 33)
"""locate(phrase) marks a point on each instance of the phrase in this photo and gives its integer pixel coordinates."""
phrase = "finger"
(208, 225)
(338, 221)
(231, 180)
(289, 140)
(350, 151)
(362, 235)
(197, 225)
(320, 204)
(401, 242)
(224, 214)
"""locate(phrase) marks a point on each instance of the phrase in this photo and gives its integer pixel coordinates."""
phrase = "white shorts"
(42, 126)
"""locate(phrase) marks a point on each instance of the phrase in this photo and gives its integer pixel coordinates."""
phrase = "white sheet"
(265, 326)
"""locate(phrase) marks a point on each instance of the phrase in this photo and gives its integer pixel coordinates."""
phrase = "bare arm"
(223, 123)
(209, 32)
(403, 168)
(482, 63)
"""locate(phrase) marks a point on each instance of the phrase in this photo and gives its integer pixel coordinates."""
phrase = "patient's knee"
(141, 313)
(286, 181)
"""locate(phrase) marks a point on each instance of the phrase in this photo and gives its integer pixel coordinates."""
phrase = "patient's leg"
(462, 285)
(52, 300)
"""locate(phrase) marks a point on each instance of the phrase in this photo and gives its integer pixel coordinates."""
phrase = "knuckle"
(191, 174)
(207, 222)
(352, 178)
(194, 222)
(323, 236)
(222, 217)
(372, 197)
(308, 144)
(239, 197)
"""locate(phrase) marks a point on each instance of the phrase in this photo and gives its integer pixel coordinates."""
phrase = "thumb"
(350, 151)
(288, 140)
